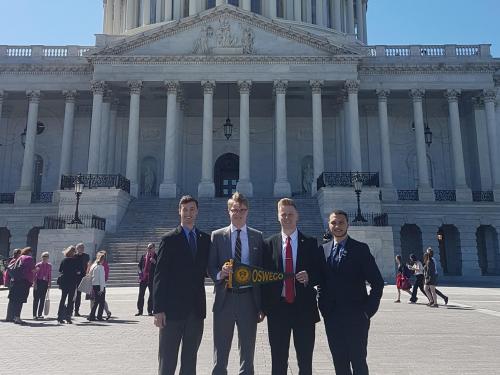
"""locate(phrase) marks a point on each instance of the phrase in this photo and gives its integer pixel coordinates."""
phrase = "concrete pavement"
(461, 338)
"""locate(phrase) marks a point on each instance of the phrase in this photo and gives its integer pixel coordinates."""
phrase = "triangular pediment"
(229, 30)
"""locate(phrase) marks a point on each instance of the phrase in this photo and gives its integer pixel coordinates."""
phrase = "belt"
(238, 291)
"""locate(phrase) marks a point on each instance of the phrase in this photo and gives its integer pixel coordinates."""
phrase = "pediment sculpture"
(220, 39)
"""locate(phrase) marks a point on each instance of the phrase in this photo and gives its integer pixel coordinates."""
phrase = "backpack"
(15, 270)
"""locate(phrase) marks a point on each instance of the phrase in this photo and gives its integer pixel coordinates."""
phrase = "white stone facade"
(304, 93)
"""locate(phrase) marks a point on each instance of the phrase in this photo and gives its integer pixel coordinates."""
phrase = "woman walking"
(418, 271)
(430, 278)
(402, 278)
(69, 270)
(41, 284)
(99, 286)
(20, 286)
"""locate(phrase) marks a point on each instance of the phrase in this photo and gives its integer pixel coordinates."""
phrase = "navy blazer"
(179, 280)
(343, 289)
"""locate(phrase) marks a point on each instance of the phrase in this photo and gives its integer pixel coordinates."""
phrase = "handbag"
(85, 285)
(46, 306)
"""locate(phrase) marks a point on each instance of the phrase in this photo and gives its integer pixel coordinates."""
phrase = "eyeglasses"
(238, 210)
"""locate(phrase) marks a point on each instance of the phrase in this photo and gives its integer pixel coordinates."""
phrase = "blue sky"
(62, 22)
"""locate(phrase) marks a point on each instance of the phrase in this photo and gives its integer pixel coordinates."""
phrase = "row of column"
(348, 16)
(103, 134)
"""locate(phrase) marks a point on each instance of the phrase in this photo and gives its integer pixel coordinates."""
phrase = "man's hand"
(226, 270)
(302, 277)
(260, 317)
(160, 320)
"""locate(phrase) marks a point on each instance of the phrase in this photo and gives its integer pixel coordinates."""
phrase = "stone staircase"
(148, 219)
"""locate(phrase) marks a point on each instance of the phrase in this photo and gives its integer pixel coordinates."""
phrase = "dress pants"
(99, 300)
(284, 319)
(140, 300)
(419, 284)
(39, 294)
(189, 332)
(239, 309)
(65, 311)
(78, 297)
(347, 334)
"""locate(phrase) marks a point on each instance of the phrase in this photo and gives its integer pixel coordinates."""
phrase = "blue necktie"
(333, 255)
(192, 243)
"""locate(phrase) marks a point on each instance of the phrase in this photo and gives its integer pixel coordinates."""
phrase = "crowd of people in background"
(426, 278)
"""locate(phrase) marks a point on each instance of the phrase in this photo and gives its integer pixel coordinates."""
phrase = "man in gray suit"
(235, 306)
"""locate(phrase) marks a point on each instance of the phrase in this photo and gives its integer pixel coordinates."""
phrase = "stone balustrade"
(43, 51)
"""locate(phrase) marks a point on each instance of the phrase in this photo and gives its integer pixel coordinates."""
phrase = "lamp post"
(78, 192)
(356, 180)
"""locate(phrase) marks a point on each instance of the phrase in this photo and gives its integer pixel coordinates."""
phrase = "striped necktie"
(237, 248)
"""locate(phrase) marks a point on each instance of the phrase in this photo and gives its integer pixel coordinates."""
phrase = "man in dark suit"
(179, 304)
(240, 307)
(290, 306)
(346, 306)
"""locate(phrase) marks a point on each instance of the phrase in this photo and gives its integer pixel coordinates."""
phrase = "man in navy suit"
(343, 300)
(179, 304)
(290, 306)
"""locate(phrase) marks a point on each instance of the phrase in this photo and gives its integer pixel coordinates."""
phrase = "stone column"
(308, 15)
(272, 9)
(168, 188)
(98, 88)
(387, 188)
(317, 125)
(365, 26)
(112, 137)
(350, 17)
(177, 9)
(337, 15)
(108, 17)
(206, 187)
(220, 2)
(130, 20)
(244, 183)
(297, 10)
(346, 141)
(352, 88)
(319, 12)
(179, 150)
(23, 195)
(246, 4)
(463, 193)
(282, 187)
(117, 17)
(103, 143)
(192, 7)
(168, 10)
(489, 97)
(146, 12)
(2, 95)
(424, 187)
(67, 139)
(158, 11)
(359, 19)
(484, 174)
(133, 137)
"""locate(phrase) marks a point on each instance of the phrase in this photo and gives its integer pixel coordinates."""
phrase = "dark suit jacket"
(179, 280)
(308, 259)
(344, 289)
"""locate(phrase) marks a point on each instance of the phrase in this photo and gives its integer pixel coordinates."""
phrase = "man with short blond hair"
(240, 307)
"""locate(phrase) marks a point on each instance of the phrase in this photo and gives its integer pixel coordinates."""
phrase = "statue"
(224, 37)
(307, 177)
(201, 45)
(247, 40)
(149, 180)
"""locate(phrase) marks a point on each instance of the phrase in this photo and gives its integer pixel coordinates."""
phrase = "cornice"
(425, 68)
(226, 60)
(237, 14)
(46, 69)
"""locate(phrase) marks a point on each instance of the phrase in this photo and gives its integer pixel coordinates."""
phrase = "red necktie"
(289, 282)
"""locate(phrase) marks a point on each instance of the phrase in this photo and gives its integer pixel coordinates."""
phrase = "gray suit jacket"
(221, 252)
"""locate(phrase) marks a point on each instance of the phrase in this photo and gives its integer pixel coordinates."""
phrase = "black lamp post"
(358, 184)
(78, 192)
(228, 126)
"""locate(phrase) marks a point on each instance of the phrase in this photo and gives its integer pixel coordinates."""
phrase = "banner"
(246, 275)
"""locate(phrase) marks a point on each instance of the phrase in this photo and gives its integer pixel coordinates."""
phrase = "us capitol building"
(272, 98)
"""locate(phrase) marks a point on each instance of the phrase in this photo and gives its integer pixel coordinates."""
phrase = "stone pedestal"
(206, 189)
(282, 189)
(22, 197)
(389, 194)
(426, 194)
(168, 190)
(463, 194)
(245, 187)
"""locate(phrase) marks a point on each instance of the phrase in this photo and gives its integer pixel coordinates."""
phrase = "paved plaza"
(461, 338)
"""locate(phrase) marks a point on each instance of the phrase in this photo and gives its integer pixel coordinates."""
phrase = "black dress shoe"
(138, 314)
(60, 321)
(91, 319)
(69, 321)
(150, 314)
(99, 318)
(77, 313)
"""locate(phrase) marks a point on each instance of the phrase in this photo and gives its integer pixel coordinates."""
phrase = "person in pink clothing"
(41, 284)
(20, 287)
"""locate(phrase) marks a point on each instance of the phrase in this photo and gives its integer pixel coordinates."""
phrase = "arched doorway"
(32, 240)
(226, 174)
(487, 250)
(450, 250)
(4, 242)
(149, 177)
(411, 241)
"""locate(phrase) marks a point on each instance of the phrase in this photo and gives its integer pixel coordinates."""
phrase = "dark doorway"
(4, 243)
(411, 241)
(450, 252)
(226, 174)
(32, 240)
(487, 250)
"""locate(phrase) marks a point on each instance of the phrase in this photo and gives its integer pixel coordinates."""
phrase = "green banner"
(246, 275)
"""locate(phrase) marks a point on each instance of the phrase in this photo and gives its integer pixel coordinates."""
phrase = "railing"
(482, 196)
(346, 178)
(407, 195)
(448, 50)
(92, 181)
(7, 198)
(64, 221)
(467, 50)
(43, 197)
(44, 51)
(432, 50)
(397, 51)
(445, 195)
